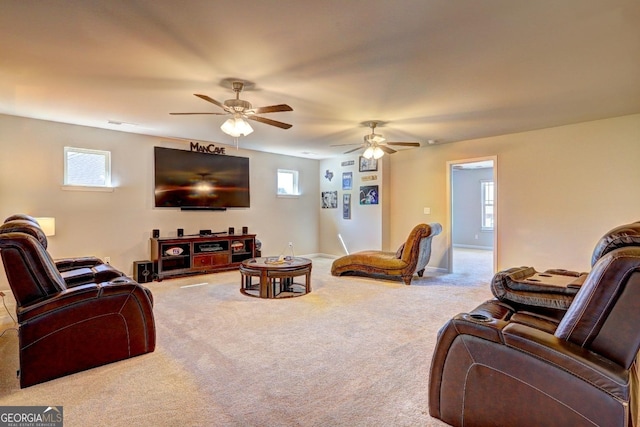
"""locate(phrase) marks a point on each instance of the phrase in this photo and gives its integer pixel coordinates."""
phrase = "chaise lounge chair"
(411, 258)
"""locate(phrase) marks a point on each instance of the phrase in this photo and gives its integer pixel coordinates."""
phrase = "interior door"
(473, 226)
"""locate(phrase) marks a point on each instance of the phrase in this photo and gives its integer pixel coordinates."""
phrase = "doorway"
(472, 204)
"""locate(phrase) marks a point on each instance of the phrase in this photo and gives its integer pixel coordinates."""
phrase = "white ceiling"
(444, 70)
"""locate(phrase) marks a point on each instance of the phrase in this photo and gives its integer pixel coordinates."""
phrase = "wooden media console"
(181, 256)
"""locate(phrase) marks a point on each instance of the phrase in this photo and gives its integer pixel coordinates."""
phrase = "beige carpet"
(354, 352)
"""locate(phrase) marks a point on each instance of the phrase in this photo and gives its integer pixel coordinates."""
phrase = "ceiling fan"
(375, 145)
(240, 110)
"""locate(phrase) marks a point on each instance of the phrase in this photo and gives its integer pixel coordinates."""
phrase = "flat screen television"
(195, 180)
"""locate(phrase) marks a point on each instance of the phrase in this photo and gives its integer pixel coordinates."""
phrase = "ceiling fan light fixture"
(238, 104)
(374, 138)
(375, 145)
(241, 110)
(378, 139)
(236, 127)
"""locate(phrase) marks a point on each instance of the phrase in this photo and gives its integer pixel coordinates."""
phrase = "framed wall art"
(369, 195)
(347, 180)
(329, 199)
(346, 206)
(367, 165)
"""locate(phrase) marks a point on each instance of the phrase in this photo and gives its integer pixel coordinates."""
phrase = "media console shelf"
(181, 256)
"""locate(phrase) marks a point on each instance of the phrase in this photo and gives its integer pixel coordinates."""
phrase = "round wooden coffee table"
(276, 277)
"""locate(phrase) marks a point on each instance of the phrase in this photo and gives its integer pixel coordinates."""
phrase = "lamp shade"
(377, 153)
(236, 126)
(48, 225)
(368, 153)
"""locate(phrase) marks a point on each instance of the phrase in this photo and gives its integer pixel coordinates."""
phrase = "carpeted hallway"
(354, 352)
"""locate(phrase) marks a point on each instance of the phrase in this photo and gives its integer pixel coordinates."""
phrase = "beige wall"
(118, 224)
(368, 226)
(559, 190)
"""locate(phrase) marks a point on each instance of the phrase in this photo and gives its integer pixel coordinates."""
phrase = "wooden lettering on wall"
(209, 149)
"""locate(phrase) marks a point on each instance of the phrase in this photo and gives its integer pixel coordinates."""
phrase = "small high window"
(87, 168)
(488, 197)
(288, 182)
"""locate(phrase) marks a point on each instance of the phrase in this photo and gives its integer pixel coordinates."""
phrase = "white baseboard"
(322, 255)
(486, 248)
(437, 269)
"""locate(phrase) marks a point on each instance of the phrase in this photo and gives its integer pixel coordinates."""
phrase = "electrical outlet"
(107, 260)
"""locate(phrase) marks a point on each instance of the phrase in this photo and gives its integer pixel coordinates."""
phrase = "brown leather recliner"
(411, 258)
(75, 270)
(66, 328)
(512, 364)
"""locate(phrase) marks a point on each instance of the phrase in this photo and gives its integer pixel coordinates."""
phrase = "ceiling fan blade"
(387, 149)
(184, 114)
(272, 109)
(344, 145)
(213, 101)
(269, 122)
(351, 151)
(405, 144)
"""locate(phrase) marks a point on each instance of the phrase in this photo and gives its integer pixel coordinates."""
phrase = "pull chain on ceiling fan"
(375, 145)
(241, 110)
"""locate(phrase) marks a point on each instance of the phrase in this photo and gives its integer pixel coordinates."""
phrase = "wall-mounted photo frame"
(329, 199)
(346, 206)
(347, 180)
(369, 195)
(368, 165)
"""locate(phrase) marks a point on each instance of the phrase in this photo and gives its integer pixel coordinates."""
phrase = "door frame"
(449, 227)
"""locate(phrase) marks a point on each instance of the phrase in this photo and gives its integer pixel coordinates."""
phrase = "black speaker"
(245, 230)
(231, 230)
(180, 232)
(143, 271)
(155, 233)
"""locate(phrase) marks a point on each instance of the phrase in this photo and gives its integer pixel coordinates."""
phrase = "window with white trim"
(288, 182)
(87, 168)
(487, 189)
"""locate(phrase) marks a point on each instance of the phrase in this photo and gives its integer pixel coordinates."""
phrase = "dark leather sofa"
(98, 317)
(527, 363)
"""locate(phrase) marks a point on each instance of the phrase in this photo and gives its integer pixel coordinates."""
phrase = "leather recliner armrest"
(77, 276)
(90, 293)
(578, 361)
(105, 273)
(97, 274)
(486, 321)
(65, 264)
(64, 298)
